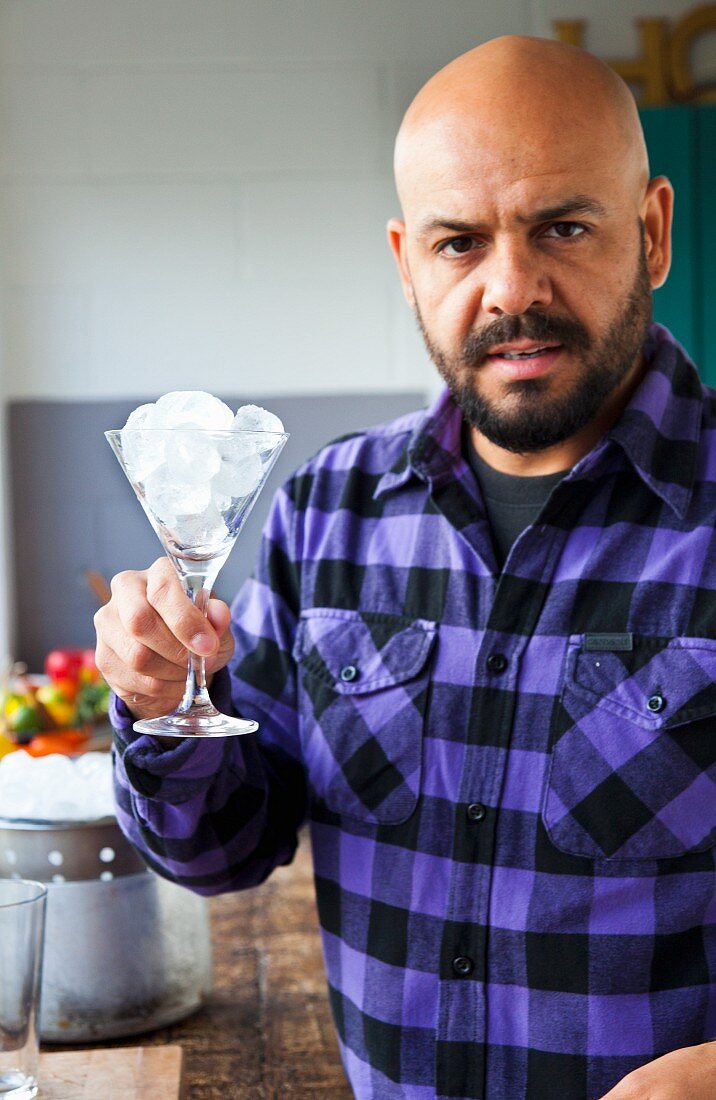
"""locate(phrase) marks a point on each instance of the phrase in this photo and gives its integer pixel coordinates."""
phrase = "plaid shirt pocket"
(363, 696)
(633, 761)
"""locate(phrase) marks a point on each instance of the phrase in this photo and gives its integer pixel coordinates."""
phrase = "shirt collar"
(659, 431)
(432, 448)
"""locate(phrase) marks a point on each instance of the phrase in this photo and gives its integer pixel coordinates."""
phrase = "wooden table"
(266, 1032)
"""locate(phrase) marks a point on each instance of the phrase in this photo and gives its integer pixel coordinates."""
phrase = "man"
(481, 640)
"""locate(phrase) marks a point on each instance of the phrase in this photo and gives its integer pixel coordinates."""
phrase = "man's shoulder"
(709, 401)
(373, 450)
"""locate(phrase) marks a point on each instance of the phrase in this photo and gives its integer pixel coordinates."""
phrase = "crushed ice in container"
(56, 787)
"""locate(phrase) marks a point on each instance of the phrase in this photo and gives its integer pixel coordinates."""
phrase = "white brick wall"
(200, 187)
(194, 192)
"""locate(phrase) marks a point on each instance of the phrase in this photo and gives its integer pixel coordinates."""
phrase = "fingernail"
(203, 644)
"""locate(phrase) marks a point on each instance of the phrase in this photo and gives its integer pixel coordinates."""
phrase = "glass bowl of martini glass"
(197, 486)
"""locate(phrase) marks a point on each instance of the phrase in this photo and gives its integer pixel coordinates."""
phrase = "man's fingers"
(144, 632)
(219, 616)
(146, 696)
(113, 634)
(177, 614)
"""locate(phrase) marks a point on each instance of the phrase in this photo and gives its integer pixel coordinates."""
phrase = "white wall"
(6, 567)
(194, 192)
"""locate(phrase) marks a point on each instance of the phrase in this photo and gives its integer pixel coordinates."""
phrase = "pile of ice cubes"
(55, 787)
(193, 485)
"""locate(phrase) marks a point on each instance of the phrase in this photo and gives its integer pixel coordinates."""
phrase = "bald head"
(529, 103)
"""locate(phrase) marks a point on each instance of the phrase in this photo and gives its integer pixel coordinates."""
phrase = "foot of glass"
(192, 724)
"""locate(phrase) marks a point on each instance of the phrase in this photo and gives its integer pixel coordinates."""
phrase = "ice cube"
(206, 530)
(142, 444)
(190, 457)
(252, 418)
(195, 407)
(240, 472)
(168, 498)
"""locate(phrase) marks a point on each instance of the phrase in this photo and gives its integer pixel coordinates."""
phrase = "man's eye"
(565, 230)
(458, 246)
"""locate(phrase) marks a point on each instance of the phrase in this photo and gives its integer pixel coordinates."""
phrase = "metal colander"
(125, 950)
(66, 851)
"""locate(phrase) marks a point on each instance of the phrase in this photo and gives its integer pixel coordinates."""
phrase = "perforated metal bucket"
(66, 851)
(125, 951)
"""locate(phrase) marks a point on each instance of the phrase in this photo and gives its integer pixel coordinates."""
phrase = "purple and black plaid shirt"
(509, 777)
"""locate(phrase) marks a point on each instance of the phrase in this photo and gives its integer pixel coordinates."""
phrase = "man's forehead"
(471, 158)
(477, 154)
(469, 201)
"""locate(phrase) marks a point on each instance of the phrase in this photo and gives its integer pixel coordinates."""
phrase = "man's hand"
(143, 634)
(686, 1074)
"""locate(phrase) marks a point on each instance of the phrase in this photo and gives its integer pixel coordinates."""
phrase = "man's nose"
(514, 280)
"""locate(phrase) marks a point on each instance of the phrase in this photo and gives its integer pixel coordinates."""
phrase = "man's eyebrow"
(577, 204)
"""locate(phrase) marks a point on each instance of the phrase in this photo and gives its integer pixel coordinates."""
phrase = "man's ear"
(656, 212)
(397, 242)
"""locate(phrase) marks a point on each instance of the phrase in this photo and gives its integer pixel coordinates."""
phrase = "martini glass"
(197, 487)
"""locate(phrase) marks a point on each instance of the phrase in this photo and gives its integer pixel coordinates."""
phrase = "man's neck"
(563, 455)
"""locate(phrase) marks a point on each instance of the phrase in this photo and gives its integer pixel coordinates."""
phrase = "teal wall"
(682, 146)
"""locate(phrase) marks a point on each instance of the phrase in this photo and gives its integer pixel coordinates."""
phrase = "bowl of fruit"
(60, 711)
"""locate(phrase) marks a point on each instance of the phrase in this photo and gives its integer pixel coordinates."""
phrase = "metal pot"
(125, 950)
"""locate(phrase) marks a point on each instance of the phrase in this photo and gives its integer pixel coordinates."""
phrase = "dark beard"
(529, 420)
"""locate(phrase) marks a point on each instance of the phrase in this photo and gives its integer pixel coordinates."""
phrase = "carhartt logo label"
(609, 642)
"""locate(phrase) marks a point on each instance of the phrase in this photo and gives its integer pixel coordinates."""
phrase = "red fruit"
(63, 664)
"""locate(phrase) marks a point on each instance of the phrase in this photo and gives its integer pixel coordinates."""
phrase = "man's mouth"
(521, 353)
(521, 360)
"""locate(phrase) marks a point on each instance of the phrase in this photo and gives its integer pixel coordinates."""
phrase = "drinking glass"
(22, 927)
(197, 487)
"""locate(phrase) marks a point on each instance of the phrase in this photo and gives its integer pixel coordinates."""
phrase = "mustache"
(525, 326)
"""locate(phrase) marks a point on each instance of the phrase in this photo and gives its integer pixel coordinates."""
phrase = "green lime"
(24, 719)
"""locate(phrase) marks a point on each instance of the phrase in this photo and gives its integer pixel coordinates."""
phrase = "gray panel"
(73, 509)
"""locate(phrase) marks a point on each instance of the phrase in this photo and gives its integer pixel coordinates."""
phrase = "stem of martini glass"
(197, 584)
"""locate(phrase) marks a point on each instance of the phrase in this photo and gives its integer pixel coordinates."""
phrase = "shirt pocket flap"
(633, 758)
(359, 652)
(661, 684)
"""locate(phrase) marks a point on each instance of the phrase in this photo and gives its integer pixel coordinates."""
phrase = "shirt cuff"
(149, 754)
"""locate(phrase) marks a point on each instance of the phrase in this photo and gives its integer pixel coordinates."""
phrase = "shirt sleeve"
(219, 814)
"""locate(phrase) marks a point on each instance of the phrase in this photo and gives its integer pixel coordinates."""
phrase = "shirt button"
(497, 662)
(476, 811)
(462, 965)
(348, 673)
(656, 703)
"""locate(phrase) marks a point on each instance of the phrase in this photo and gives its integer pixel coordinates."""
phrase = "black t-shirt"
(512, 503)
